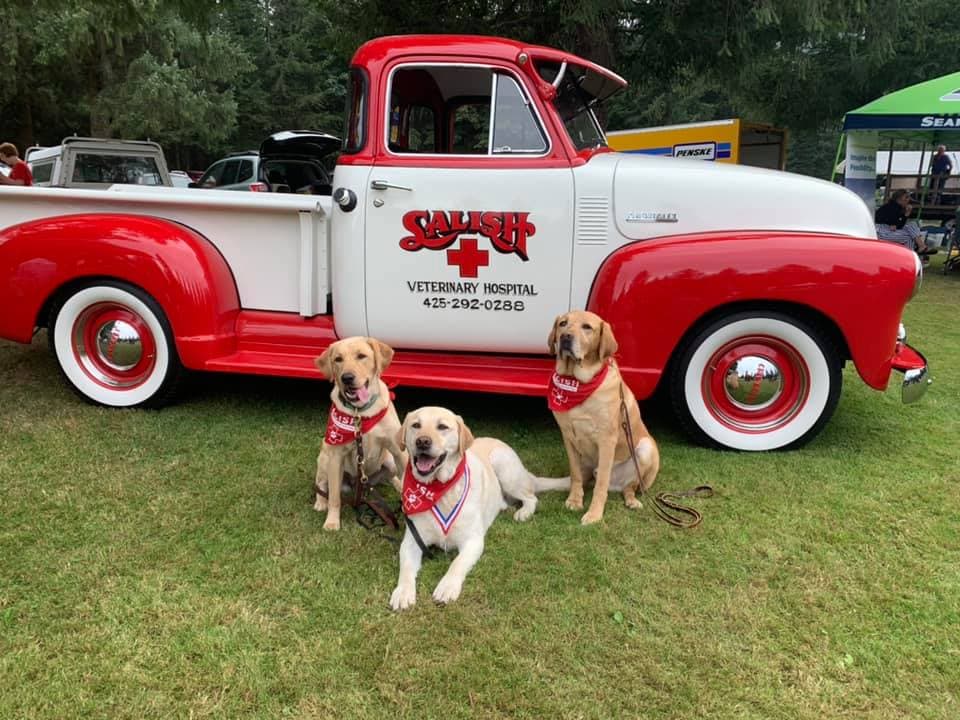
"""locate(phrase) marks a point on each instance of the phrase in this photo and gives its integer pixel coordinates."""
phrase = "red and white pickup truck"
(474, 200)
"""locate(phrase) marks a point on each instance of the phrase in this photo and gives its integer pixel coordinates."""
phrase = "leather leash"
(664, 502)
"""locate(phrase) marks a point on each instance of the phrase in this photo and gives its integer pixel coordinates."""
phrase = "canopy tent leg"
(887, 190)
(836, 158)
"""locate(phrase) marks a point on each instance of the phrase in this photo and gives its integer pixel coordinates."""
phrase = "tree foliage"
(206, 77)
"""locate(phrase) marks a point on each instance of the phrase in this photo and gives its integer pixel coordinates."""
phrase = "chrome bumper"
(916, 372)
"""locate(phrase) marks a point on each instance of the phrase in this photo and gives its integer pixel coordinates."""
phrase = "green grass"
(168, 564)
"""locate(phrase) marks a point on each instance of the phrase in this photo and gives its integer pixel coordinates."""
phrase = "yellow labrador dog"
(354, 365)
(584, 395)
(453, 490)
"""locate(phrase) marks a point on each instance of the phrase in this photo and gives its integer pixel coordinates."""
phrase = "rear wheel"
(756, 381)
(114, 346)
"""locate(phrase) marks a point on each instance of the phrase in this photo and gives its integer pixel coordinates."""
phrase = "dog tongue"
(424, 463)
(363, 395)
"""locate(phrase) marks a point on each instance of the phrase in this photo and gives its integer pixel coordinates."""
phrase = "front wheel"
(114, 346)
(756, 381)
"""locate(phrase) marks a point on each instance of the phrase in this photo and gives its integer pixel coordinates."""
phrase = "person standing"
(19, 171)
(940, 170)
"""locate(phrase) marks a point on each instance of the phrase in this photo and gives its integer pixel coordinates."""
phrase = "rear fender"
(655, 291)
(179, 268)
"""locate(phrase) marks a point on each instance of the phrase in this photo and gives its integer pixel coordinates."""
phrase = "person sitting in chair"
(891, 220)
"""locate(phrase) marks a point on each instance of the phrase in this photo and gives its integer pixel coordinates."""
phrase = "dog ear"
(466, 437)
(552, 339)
(608, 343)
(382, 353)
(323, 363)
(402, 436)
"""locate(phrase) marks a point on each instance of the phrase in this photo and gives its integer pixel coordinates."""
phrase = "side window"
(461, 110)
(354, 137)
(42, 172)
(246, 171)
(515, 128)
(229, 176)
(212, 177)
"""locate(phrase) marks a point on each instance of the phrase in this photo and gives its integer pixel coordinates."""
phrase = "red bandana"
(566, 392)
(420, 497)
(341, 428)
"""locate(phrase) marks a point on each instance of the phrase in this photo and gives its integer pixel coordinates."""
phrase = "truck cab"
(462, 156)
(97, 163)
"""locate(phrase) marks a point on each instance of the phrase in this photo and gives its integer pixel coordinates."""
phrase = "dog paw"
(523, 513)
(332, 523)
(403, 598)
(632, 503)
(590, 517)
(573, 503)
(320, 504)
(447, 590)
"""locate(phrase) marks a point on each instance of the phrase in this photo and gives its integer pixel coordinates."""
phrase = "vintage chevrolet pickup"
(475, 199)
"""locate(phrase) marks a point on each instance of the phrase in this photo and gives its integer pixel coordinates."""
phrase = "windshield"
(574, 103)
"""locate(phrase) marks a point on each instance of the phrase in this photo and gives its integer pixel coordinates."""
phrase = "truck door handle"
(383, 185)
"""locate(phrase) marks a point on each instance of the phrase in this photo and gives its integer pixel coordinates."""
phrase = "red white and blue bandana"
(421, 497)
(341, 427)
(566, 392)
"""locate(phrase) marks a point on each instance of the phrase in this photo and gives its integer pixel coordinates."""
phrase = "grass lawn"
(168, 564)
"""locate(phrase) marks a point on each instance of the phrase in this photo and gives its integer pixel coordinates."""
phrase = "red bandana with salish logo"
(421, 497)
(566, 392)
(341, 428)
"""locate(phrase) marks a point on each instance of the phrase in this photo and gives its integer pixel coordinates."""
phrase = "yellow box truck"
(732, 141)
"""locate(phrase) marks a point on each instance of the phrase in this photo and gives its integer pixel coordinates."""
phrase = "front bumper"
(916, 374)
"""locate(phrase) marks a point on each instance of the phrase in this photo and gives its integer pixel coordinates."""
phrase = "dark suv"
(288, 161)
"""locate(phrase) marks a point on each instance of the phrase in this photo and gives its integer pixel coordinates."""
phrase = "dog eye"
(361, 356)
(416, 425)
(338, 359)
(562, 323)
(442, 427)
(587, 327)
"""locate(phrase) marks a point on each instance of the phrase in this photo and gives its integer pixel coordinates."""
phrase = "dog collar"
(421, 497)
(566, 392)
(342, 428)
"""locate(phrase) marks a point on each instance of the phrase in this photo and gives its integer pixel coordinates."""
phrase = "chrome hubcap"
(753, 382)
(119, 345)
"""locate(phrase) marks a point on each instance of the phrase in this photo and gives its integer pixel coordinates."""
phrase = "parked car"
(98, 163)
(180, 178)
(289, 161)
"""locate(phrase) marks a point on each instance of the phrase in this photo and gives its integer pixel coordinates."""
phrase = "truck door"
(469, 214)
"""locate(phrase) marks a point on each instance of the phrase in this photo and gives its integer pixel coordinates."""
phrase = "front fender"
(178, 267)
(654, 291)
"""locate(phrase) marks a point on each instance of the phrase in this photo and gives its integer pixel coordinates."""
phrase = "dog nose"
(424, 443)
(566, 340)
(348, 378)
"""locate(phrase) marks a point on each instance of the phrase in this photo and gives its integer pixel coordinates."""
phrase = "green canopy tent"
(927, 113)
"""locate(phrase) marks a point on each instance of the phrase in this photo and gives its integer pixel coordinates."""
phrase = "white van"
(95, 163)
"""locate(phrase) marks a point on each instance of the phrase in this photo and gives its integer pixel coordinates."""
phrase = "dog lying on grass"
(453, 490)
(354, 365)
(585, 397)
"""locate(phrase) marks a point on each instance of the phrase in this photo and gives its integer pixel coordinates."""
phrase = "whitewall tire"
(114, 346)
(756, 381)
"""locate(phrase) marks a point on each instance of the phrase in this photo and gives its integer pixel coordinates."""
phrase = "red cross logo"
(468, 258)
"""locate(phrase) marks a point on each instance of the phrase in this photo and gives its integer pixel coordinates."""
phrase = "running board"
(481, 373)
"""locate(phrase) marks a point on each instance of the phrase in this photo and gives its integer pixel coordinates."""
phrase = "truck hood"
(668, 196)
